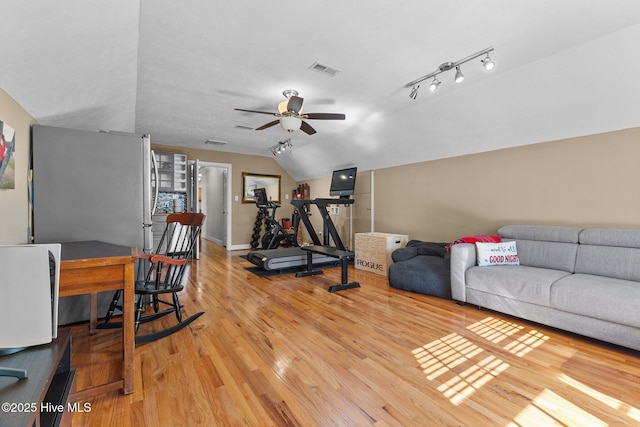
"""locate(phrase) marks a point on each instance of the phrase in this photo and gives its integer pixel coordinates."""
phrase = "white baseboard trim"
(239, 247)
(214, 240)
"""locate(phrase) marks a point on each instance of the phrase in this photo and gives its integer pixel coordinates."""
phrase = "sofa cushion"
(604, 298)
(546, 233)
(519, 282)
(627, 238)
(609, 261)
(610, 252)
(556, 256)
(544, 246)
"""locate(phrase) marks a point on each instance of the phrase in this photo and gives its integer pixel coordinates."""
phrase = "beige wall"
(243, 214)
(14, 208)
(584, 181)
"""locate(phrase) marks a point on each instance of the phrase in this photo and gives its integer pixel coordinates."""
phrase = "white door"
(225, 208)
(216, 197)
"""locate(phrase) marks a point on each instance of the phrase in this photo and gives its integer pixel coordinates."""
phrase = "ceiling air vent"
(324, 69)
(215, 142)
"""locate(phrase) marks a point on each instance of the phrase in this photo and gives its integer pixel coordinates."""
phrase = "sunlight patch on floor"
(555, 410)
(629, 410)
(526, 343)
(494, 330)
(439, 358)
(463, 368)
(497, 330)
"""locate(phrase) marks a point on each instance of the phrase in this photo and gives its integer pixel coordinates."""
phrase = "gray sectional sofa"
(585, 281)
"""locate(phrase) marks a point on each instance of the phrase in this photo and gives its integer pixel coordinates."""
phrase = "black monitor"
(260, 195)
(343, 182)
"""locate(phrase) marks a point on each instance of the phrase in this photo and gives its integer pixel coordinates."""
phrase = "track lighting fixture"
(414, 92)
(487, 63)
(281, 147)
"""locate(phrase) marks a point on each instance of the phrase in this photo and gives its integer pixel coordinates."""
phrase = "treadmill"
(343, 184)
(284, 258)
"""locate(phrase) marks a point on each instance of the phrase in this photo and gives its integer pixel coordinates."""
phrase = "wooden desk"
(36, 400)
(91, 267)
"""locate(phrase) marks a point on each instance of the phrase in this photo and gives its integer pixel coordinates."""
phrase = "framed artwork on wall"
(251, 181)
(7, 157)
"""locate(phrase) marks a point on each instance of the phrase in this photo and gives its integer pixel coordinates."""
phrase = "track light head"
(434, 85)
(414, 91)
(488, 63)
(459, 75)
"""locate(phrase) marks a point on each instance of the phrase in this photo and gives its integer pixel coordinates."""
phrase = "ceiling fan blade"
(324, 116)
(256, 111)
(268, 125)
(306, 128)
(295, 104)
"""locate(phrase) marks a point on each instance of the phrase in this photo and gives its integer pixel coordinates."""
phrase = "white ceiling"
(177, 70)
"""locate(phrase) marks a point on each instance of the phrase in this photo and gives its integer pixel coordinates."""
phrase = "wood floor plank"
(282, 351)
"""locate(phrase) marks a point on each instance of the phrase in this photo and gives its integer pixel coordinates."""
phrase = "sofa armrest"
(463, 257)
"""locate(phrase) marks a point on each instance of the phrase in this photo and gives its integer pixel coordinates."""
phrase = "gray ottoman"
(421, 267)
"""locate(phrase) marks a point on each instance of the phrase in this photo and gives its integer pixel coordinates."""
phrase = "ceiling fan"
(290, 114)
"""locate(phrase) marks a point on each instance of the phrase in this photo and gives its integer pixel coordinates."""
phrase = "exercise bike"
(276, 234)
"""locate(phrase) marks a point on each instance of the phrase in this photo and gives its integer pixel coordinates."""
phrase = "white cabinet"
(179, 172)
(172, 172)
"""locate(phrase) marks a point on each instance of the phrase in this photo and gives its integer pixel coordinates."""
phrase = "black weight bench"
(343, 256)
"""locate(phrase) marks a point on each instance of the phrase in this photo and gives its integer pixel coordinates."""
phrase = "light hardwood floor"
(282, 351)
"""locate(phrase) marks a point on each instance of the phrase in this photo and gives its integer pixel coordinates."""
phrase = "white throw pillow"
(503, 253)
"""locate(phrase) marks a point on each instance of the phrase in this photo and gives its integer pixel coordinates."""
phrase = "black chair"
(164, 272)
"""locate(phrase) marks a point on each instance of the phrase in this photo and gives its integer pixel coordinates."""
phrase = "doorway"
(214, 193)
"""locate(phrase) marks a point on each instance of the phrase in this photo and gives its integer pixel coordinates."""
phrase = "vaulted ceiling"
(177, 70)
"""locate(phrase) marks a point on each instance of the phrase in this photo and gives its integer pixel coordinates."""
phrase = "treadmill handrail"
(328, 226)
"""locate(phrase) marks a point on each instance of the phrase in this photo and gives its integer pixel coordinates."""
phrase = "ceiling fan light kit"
(290, 123)
(290, 114)
(487, 63)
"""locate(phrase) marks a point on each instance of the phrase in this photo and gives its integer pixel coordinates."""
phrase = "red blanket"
(473, 239)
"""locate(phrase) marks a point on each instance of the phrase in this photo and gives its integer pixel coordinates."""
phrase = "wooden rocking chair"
(165, 273)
